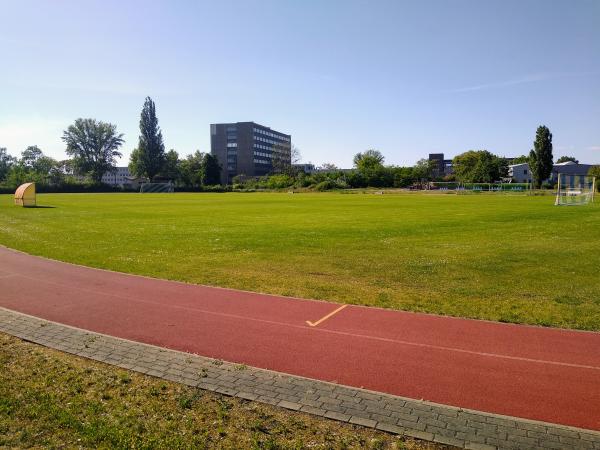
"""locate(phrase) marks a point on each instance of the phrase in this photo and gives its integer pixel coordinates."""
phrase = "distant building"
(441, 166)
(306, 168)
(569, 168)
(117, 178)
(520, 173)
(250, 149)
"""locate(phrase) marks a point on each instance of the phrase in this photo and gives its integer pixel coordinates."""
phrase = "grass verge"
(51, 399)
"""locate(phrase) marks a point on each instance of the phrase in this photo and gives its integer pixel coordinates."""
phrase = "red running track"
(537, 373)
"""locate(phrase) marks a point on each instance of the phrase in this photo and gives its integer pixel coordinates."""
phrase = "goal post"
(156, 187)
(575, 190)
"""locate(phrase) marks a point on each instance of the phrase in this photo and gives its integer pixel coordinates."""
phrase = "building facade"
(305, 167)
(250, 149)
(440, 166)
(521, 173)
(569, 168)
(119, 177)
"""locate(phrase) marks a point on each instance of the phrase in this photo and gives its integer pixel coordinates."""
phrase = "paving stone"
(419, 435)
(247, 395)
(313, 410)
(440, 431)
(289, 405)
(309, 402)
(389, 428)
(551, 444)
(337, 416)
(363, 422)
(448, 440)
(477, 446)
(576, 443)
(269, 400)
(383, 419)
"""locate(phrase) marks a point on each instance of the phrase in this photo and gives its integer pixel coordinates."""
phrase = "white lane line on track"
(324, 330)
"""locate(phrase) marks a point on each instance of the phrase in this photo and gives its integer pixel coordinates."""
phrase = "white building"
(119, 177)
(520, 173)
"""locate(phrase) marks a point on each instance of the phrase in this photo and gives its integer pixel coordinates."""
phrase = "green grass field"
(512, 258)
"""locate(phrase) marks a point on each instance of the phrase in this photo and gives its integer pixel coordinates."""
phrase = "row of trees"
(481, 166)
(33, 165)
(369, 171)
(473, 166)
(94, 148)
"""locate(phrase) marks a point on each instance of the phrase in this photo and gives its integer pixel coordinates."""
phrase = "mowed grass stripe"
(512, 258)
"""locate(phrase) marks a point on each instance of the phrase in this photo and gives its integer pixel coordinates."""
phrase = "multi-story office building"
(247, 148)
(441, 167)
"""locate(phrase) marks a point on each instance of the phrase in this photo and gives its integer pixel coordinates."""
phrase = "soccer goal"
(575, 190)
(156, 187)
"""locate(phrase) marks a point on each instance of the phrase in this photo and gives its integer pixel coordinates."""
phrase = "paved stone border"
(418, 419)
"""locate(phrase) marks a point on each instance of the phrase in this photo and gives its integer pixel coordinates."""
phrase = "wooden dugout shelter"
(25, 195)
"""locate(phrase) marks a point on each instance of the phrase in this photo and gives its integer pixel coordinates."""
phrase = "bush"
(547, 185)
(279, 181)
(326, 185)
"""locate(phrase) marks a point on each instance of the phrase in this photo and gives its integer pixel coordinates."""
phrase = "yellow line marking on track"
(322, 319)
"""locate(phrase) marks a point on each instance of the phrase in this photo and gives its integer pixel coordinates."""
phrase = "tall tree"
(210, 171)
(94, 147)
(34, 161)
(423, 170)
(368, 159)
(149, 157)
(190, 169)
(520, 159)
(370, 169)
(540, 157)
(170, 168)
(479, 166)
(6, 162)
(563, 159)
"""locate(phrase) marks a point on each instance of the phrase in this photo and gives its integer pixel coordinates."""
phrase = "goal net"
(156, 187)
(575, 190)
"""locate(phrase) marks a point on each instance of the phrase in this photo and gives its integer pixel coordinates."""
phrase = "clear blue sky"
(407, 78)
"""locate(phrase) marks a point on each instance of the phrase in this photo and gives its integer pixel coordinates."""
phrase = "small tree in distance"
(369, 159)
(6, 162)
(520, 159)
(328, 167)
(190, 169)
(93, 146)
(210, 170)
(170, 168)
(540, 158)
(30, 156)
(563, 159)
(595, 172)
